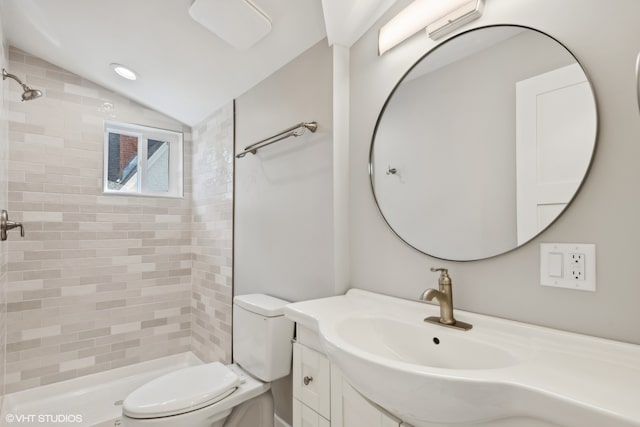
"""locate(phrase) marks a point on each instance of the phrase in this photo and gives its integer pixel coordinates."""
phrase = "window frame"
(144, 134)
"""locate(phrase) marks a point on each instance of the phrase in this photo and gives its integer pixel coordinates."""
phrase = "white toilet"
(205, 395)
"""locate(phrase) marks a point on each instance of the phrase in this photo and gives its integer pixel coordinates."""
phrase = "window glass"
(158, 166)
(142, 160)
(123, 162)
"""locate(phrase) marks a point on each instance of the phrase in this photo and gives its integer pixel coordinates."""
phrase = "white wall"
(605, 37)
(284, 200)
(283, 241)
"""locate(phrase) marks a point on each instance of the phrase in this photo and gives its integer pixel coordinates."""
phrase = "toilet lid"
(181, 391)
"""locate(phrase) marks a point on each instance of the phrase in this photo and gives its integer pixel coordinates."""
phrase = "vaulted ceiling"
(185, 71)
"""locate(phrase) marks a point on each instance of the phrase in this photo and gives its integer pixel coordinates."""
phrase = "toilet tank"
(262, 336)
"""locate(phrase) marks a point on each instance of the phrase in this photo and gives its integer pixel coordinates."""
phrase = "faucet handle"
(11, 225)
(6, 225)
(444, 279)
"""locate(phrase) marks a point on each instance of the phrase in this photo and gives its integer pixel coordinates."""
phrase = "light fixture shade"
(415, 17)
(455, 19)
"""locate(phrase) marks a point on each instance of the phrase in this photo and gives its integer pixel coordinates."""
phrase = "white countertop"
(574, 379)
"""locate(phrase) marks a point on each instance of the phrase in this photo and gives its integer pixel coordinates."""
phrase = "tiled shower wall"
(212, 236)
(4, 248)
(99, 281)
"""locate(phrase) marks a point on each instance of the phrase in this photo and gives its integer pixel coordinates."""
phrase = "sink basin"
(498, 373)
(422, 344)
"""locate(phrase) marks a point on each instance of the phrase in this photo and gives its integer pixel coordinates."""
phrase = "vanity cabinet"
(321, 395)
(303, 416)
(312, 380)
(350, 409)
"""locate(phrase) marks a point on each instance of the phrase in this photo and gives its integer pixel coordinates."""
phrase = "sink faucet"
(444, 296)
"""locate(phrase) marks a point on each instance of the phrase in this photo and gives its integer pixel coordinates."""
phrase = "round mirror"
(483, 143)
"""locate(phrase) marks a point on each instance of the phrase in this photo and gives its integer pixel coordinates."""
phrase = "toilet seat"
(182, 391)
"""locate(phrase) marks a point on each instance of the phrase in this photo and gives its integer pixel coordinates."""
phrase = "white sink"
(427, 374)
(423, 344)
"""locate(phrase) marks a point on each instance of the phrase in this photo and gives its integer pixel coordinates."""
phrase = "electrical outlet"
(568, 265)
(576, 269)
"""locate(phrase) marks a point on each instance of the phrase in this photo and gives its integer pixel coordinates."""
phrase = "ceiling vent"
(238, 22)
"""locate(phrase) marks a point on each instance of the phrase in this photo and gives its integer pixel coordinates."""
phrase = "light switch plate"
(568, 265)
(556, 264)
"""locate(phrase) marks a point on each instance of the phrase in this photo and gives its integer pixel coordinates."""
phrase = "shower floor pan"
(90, 401)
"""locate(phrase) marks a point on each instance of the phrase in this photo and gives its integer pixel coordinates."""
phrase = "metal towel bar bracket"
(638, 80)
(293, 131)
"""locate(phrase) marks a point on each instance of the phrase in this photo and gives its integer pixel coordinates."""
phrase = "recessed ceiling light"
(123, 71)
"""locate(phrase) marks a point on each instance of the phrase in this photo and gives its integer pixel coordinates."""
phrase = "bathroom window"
(142, 160)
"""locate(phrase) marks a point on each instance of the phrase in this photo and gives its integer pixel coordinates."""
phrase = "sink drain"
(118, 403)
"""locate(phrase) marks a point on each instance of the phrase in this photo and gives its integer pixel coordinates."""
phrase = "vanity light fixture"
(123, 71)
(438, 17)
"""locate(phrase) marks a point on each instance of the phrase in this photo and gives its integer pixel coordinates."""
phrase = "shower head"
(28, 93)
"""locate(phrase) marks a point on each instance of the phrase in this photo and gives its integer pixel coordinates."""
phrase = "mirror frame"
(415, 64)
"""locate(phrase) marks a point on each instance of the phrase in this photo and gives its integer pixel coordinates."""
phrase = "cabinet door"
(350, 409)
(311, 379)
(303, 416)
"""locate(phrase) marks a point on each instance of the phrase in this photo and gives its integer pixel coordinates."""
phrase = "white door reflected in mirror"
(554, 116)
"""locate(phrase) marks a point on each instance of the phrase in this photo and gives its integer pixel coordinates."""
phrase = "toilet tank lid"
(261, 304)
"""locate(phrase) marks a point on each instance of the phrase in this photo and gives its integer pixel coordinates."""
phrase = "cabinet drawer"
(312, 379)
(303, 416)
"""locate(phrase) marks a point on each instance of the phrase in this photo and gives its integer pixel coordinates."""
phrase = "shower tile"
(94, 351)
(81, 90)
(16, 57)
(105, 305)
(211, 233)
(77, 345)
(54, 73)
(77, 363)
(126, 327)
(38, 255)
(94, 333)
(41, 274)
(12, 387)
(29, 334)
(125, 345)
(23, 345)
(21, 306)
(39, 372)
(111, 280)
(50, 379)
(59, 226)
(41, 294)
